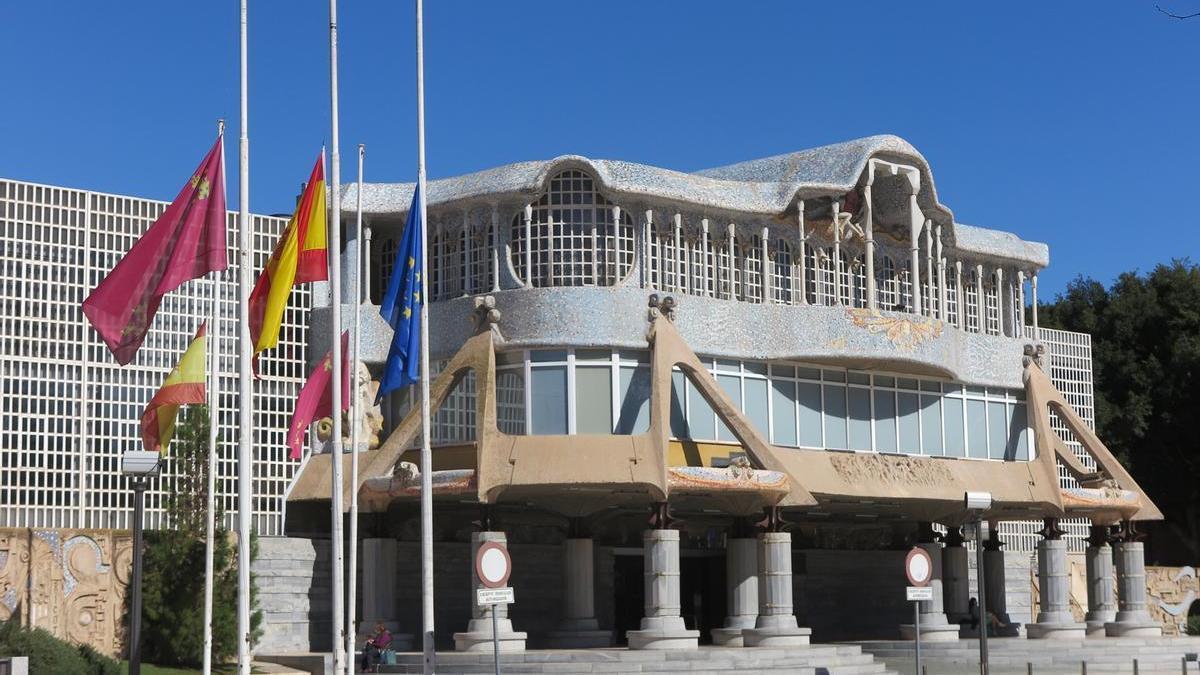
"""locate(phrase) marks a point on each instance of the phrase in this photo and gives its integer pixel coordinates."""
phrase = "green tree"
(173, 582)
(1146, 356)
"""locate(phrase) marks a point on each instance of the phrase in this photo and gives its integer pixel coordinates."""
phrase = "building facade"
(800, 354)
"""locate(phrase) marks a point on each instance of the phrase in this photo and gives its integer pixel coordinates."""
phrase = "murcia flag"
(184, 385)
(316, 397)
(299, 257)
(186, 242)
(401, 306)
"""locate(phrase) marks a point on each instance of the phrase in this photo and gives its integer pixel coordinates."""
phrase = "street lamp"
(139, 465)
(976, 504)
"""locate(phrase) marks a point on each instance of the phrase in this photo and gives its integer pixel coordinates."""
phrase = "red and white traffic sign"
(493, 564)
(918, 566)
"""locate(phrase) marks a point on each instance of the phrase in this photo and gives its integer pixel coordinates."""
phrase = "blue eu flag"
(402, 306)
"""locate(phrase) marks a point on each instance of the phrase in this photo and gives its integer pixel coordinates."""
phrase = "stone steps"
(811, 660)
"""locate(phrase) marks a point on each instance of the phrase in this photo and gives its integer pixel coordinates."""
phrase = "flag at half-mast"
(401, 306)
(184, 385)
(186, 242)
(316, 397)
(300, 257)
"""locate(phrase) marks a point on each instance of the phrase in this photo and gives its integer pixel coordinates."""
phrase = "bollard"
(1083, 668)
(924, 670)
(1135, 667)
(1029, 668)
(1183, 664)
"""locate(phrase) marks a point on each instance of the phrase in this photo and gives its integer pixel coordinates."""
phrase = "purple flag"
(187, 241)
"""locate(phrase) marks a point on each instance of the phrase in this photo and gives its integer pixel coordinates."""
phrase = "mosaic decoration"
(1171, 592)
(904, 332)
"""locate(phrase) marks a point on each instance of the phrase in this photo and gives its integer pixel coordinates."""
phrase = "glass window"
(756, 368)
(756, 405)
(679, 423)
(633, 415)
(997, 429)
(700, 416)
(955, 439)
(860, 418)
(858, 378)
(931, 425)
(548, 390)
(593, 400)
(835, 417)
(885, 381)
(783, 409)
(808, 395)
(732, 384)
(1019, 433)
(908, 420)
(808, 373)
(835, 375)
(510, 401)
(885, 421)
(548, 356)
(977, 429)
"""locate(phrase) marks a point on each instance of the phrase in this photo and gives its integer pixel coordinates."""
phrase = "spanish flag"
(184, 385)
(299, 257)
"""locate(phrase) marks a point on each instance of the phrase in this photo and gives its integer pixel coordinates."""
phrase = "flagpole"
(245, 351)
(355, 421)
(426, 454)
(214, 418)
(335, 296)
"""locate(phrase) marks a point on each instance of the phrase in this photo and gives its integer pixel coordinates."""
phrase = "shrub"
(98, 663)
(50, 656)
(1193, 624)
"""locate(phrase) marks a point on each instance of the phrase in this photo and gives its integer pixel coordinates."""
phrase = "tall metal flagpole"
(214, 419)
(245, 397)
(335, 302)
(426, 455)
(355, 421)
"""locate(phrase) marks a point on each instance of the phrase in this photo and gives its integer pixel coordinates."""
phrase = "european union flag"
(402, 306)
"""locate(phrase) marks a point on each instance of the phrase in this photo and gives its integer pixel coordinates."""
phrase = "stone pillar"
(1101, 592)
(1054, 620)
(662, 626)
(580, 629)
(741, 570)
(379, 591)
(934, 625)
(956, 581)
(1133, 620)
(776, 624)
(996, 585)
(478, 636)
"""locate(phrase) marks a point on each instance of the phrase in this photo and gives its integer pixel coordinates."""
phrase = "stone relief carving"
(889, 470)
(372, 417)
(1171, 592)
(904, 332)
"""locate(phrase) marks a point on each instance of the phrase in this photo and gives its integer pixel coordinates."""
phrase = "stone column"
(741, 570)
(478, 636)
(776, 624)
(1133, 620)
(1101, 592)
(379, 591)
(662, 626)
(1054, 620)
(995, 584)
(956, 581)
(580, 629)
(934, 625)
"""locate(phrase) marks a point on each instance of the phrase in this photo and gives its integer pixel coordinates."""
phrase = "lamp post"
(977, 503)
(139, 465)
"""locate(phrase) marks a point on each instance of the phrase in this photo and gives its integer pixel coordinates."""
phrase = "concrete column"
(869, 238)
(1054, 620)
(379, 591)
(956, 582)
(1101, 591)
(996, 588)
(741, 576)
(1133, 620)
(580, 629)
(662, 626)
(934, 625)
(478, 636)
(776, 624)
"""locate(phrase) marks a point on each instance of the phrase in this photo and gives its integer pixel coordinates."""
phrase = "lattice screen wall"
(69, 411)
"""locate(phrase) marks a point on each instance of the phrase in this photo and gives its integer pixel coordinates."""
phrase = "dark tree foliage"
(173, 582)
(1146, 357)
(49, 655)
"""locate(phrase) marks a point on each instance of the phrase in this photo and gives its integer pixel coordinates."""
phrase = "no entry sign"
(492, 564)
(918, 566)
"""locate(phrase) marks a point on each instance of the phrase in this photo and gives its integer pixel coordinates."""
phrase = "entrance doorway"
(701, 591)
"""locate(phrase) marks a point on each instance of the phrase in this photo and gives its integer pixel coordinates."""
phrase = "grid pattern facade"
(69, 411)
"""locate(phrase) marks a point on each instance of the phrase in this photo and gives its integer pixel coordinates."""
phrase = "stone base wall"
(292, 575)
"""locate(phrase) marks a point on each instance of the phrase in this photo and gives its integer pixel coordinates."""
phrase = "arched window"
(991, 300)
(573, 240)
(971, 300)
(951, 296)
(752, 270)
(854, 272)
(387, 261)
(781, 273)
(701, 264)
(446, 261)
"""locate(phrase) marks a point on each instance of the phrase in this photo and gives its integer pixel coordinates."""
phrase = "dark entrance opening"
(630, 593)
(701, 591)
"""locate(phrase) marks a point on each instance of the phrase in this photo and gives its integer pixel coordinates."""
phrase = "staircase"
(1014, 656)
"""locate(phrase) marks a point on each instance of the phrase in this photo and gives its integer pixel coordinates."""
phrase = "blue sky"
(1073, 123)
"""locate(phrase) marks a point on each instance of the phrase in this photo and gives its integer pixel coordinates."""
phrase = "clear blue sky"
(1073, 123)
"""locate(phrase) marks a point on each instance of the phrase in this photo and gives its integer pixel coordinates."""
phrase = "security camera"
(978, 501)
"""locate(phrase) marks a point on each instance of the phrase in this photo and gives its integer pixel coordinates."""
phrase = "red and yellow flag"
(299, 257)
(184, 385)
(316, 397)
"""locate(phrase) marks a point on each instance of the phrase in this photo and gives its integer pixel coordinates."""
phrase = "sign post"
(493, 566)
(918, 567)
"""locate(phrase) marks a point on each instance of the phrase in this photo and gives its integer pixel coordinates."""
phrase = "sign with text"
(917, 593)
(499, 596)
